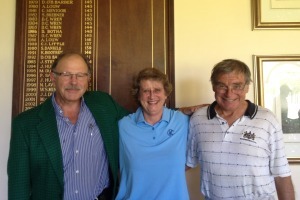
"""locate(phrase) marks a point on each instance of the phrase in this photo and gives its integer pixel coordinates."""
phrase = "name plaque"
(45, 28)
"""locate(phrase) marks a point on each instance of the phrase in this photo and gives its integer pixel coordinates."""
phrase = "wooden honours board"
(119, 37)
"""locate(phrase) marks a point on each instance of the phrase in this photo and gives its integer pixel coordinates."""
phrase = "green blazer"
(35, 165)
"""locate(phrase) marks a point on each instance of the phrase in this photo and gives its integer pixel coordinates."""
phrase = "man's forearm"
(285, 188)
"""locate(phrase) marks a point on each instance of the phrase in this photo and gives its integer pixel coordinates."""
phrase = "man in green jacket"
(67, 147)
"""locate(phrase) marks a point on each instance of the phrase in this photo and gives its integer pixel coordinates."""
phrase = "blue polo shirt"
(152, 157)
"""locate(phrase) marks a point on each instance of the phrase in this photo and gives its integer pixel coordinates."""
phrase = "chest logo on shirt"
(248, 136)
(171, 132)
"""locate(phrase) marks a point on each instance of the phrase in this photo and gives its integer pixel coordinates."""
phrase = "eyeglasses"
(155, 91)
(235, 88)
(67, 75)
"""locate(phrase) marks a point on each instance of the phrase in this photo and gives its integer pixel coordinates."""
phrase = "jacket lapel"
(47, 129)
(99, 112)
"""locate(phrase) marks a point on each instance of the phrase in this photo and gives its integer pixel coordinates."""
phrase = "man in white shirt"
(238, 144)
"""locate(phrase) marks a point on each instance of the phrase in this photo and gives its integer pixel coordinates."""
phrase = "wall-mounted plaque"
(119, 37)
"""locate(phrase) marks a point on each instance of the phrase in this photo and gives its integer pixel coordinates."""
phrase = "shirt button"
(76, 191)
(77, 171)
(76, 151)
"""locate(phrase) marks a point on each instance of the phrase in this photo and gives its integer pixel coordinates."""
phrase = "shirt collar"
(250, 111)
(57, 108)
(140, 117)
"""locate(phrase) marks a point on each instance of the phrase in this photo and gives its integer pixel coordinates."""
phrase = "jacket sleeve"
(18, 168)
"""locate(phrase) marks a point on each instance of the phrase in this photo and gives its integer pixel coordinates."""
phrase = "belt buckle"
(100, 198)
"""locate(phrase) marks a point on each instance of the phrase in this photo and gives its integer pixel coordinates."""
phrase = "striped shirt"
(85, 162)
(240, 161)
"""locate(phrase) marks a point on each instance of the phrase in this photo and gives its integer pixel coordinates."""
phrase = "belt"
(106, 194)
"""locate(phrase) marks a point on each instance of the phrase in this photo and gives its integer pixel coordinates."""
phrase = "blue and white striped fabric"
(237, 162)
(84, 157)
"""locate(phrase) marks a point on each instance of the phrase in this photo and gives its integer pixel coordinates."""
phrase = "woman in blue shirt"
(153, 143)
